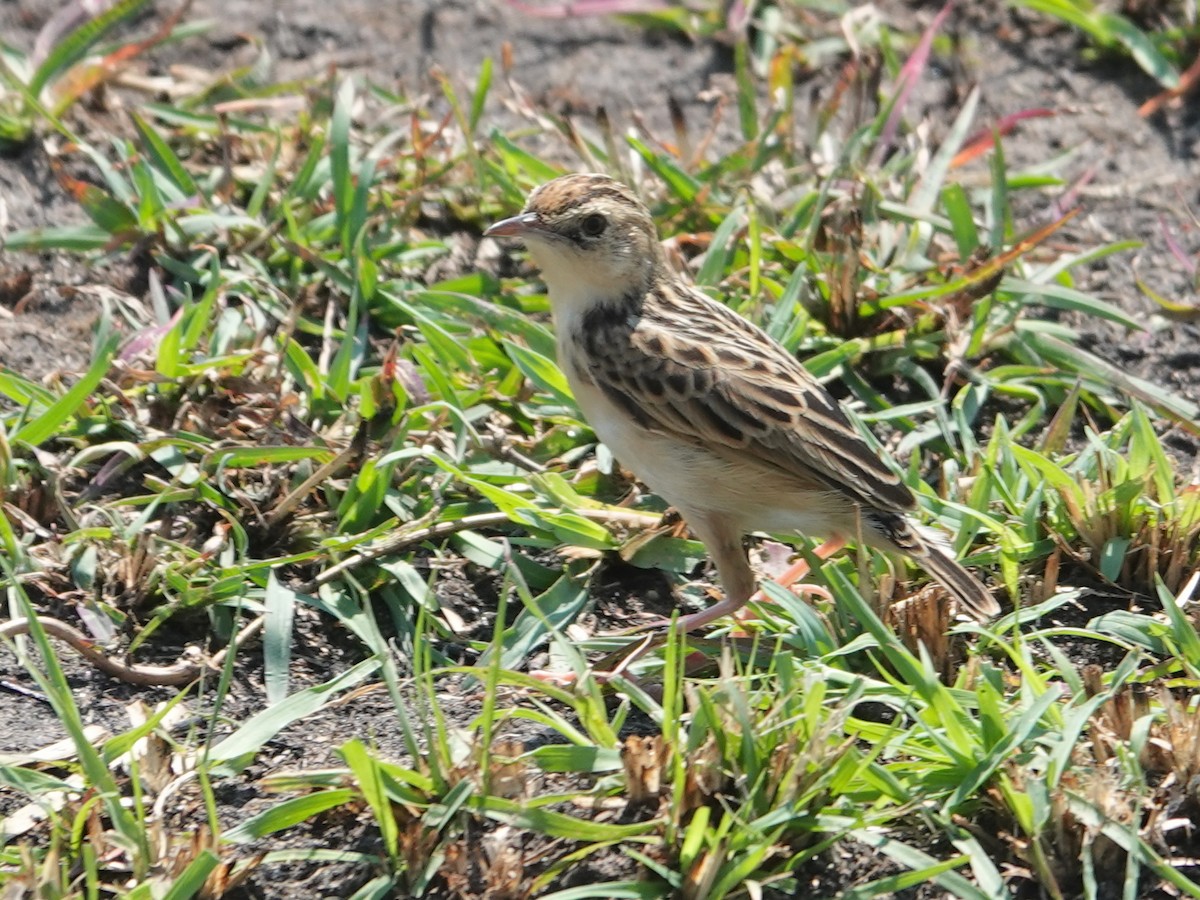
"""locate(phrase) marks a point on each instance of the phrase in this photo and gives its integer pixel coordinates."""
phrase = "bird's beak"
(517, 226)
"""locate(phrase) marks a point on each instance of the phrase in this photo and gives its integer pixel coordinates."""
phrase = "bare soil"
(1135, 175)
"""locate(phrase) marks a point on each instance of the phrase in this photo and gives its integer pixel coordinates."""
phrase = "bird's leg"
(737, 578)
(724, 544)
(794, 573)
(738, 581)
(723, 541)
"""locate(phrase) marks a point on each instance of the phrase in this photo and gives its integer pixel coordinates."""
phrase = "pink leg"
(794, 573)
(723, 541)
(736, 578)
(733, 568)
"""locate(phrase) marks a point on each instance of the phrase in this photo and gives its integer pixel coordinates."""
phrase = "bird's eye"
(593, 225)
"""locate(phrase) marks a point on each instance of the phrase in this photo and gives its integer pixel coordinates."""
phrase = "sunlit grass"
(319, 393)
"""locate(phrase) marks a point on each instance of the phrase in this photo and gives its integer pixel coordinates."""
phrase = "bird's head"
(588, 233)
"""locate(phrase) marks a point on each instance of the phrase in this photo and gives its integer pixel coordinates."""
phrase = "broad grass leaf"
(551, 611)
(287, 814)
(279, 604)
(370, 780)
(1141, 48)
(76, 45)
(573, 758)
(517, 159)
(163, 157)
(1058, 296)
(684, 187)
(72, 238)
(570, 528)
(51, 421)
(558, 825)
(543, 372)
(239, 748)
(190, 882)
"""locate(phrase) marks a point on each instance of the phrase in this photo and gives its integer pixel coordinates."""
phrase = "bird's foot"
(621, 662)
(742, 610)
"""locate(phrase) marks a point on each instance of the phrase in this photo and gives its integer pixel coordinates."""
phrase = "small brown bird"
(711, 413)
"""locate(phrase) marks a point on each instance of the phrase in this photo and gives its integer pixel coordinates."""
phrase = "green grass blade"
(77, 44)
(287, 814)
(370, 781)
(190, 882)
(280, 606)
(163, 157)
(256, 731)
(51, 421)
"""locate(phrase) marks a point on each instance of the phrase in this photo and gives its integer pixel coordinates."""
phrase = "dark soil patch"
(852, 862)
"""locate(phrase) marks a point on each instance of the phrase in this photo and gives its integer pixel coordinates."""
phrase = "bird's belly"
(696, 480)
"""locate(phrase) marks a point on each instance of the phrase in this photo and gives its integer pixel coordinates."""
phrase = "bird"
(709, 411)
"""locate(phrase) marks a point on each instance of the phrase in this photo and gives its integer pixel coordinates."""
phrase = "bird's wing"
(734, 389)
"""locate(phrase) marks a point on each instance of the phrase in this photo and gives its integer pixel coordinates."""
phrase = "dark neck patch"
(610, 318)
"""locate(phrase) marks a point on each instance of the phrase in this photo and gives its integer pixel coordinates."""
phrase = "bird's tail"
(930, 555)
(965, 587)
